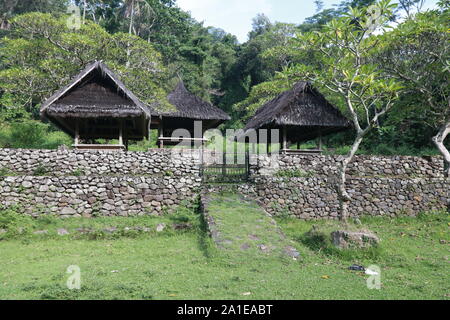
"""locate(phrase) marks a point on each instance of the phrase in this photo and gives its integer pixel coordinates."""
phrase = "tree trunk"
(130, 32)
(439, 142)
(343, 196)
(84, 11)
(131, 17)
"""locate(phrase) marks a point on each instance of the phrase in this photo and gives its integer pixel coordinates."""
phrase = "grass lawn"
(414, 258)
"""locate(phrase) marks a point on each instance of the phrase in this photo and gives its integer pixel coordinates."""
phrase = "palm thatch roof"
(192, 107)
(304, 110)
(95, 92)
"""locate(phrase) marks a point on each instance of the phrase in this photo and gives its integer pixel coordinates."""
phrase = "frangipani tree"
(342, 65)
(417, 53)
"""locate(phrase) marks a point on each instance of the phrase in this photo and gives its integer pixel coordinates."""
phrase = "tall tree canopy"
(43, 54)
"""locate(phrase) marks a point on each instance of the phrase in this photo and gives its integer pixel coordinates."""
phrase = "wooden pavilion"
(301, 114)
(188, 109)
(97, 105)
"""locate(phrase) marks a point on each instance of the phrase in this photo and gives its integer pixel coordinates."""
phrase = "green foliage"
(78, 173)
(5, 172)
(41, 170)
(39, 55)
(297, 173)
(14, 224)
(33, 135)
(43, 54)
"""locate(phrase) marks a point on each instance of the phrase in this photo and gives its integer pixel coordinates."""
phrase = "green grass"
(240, 221)
(186, 265)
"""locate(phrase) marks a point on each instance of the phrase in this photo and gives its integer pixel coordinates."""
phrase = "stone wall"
(71, 183)
(97, 195)
(98, 183)
(361, 166)
(315, 197)
(78, 162)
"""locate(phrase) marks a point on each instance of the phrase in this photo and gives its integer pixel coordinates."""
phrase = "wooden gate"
(232, 168)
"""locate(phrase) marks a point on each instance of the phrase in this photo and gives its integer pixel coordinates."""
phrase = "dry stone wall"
(315, 197)
(97, 195)
(361, 166)
(91, 183)
(77, 162)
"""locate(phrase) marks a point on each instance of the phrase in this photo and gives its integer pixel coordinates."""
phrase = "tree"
(343, 66)
(417, 53)
(46, 54)
(261, 23)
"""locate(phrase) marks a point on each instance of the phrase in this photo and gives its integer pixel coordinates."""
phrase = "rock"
(27, 184)
(160, 227)
(62, 232)
(263, 247)
(68, 211)
(291, 252)
(41, 232)
(354, 239)
(182, 226)
(83, 230)
(253, 237)
(110, 230)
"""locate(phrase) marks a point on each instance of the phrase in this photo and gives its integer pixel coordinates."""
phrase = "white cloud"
(234, 16)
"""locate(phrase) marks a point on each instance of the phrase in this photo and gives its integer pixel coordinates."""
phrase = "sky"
(235, 16)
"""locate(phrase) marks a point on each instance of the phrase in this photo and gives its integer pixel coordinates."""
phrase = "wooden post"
(161, 134)
(77, 132)
(149, 128)
(319, 142)
(224, 163)
(284, 139)
(121, 132)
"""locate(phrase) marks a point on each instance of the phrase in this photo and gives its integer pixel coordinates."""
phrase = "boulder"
(354, 239)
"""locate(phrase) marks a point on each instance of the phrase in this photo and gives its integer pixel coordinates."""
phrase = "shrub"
(14, 224)
(32, 134)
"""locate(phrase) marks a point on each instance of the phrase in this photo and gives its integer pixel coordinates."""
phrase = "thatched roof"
(303, 106)
(95, 92)
(190, 106)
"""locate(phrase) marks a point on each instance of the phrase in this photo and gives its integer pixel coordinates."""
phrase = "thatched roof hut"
(96, 104)
(188, 109)
(302, 114)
